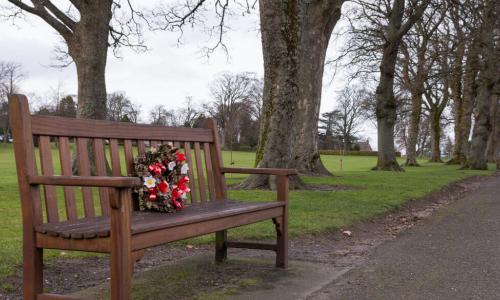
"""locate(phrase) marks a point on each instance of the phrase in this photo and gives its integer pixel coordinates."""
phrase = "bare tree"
(67, 107)
(255, 98)
(121, 108)
(160, 115)
(416, 64)
(348, 115)
(187, 115)
(228, 92)
(88, 29)
(436, 99)
(11, 75)
(463, 43)
(376, 31)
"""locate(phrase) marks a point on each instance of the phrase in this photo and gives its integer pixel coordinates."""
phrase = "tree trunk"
(456, 90)
(6, 128)
(482, 129)
(386, 110)
(488, 77)
(496, 148)
(386, 103)
(280, 43)
(316, 31)
(89, 48)
(293, 74)
(492, 139)
(435, 119)
(469, 95)
(411, 148)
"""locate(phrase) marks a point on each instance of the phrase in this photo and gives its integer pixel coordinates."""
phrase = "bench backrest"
(113, 145)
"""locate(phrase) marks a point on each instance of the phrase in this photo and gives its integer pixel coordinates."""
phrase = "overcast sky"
(165, 74)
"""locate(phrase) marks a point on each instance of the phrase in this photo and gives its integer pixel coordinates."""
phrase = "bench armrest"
(93, 181)
(264, 171)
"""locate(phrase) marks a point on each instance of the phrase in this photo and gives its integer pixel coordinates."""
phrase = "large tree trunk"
(496, 129)
(89, 47)
(469, 95)
(317, 25)
(293, 74)
(435, 118)
(278, 134)
(456, 88)
(386, 103)
(488, 77)
(497, 133)
(386, 109)
(492, 139)
(459, 115)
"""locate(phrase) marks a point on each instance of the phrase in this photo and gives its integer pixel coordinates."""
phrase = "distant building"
(365, 146)
(335, 143)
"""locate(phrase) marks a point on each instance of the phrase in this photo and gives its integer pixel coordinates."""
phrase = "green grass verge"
(375, 193)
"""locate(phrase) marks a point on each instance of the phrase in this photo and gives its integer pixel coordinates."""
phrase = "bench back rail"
(102, 148)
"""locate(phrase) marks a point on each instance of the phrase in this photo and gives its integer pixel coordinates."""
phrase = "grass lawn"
(374, 193)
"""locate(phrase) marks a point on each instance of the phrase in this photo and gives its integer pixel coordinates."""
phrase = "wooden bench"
(113, 224)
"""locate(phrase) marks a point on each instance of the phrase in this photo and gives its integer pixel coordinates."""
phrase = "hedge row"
(352, 153)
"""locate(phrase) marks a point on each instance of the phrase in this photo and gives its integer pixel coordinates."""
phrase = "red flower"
(176, 196)
(177, 204)
(180, 156)
(157, 168)
(152, 194)
(176, 192)
(183, 180)
(163, 187)
(183, 184)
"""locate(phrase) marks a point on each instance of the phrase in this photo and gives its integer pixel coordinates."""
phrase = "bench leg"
(282, 241)
(32, 272)
(121, 248)
(220, 246)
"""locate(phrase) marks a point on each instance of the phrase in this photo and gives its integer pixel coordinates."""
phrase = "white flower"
(171, 165)
(149, 182)
(184, 169)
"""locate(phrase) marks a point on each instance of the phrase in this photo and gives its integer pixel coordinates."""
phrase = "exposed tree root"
(474, 166)
(410, 163)
(257, 181)
(436, 160)
(453, 161)
(388, 166)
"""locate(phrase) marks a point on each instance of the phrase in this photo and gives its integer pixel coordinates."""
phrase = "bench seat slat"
(149, 221)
